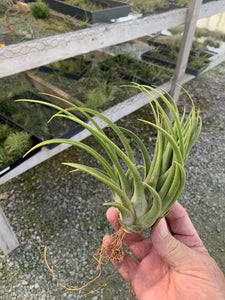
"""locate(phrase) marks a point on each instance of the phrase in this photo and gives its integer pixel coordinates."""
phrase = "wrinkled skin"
(174, 265)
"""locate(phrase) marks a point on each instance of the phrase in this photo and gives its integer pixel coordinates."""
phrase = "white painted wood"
(189, 31)
(114, 114)
(8, 240)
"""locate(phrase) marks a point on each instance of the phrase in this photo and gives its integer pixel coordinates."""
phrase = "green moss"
(39, 9)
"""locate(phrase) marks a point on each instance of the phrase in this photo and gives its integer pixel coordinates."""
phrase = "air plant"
(141, 193)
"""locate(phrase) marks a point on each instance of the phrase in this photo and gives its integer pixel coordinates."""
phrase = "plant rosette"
(140, 199)
(141, 193)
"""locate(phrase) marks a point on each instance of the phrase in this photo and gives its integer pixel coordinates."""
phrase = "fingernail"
(163, 229)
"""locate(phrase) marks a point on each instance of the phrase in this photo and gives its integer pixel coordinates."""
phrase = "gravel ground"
(48, 206)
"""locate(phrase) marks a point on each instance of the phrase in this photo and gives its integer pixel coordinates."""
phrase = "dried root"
(113, 251)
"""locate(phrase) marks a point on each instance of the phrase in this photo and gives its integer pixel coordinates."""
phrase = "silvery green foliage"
(142, 194)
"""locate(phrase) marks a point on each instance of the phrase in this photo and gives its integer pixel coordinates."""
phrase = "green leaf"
(81, 145)
(116, 129)
(154, 212)
(175, 188)
(47, 104)
(126, 216)
(170, 140)
(173, 111)
(144, 151)
(165, 186)
(182, 178)
(105, 179)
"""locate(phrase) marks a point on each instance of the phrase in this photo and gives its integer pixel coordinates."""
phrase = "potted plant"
(24, 26)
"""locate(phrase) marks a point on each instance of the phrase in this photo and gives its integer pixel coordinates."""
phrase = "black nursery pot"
(35, 139)
(73, 127)
(111, 10)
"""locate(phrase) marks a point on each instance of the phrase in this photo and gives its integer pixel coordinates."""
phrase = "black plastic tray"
(113, 10)
(147, 56)
(69, 75)
(76, 128)
(35, 139)
(136, 79)
(153, 42)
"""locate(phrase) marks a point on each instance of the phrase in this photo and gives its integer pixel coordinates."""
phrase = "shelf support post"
(186, 43)
(8, 240)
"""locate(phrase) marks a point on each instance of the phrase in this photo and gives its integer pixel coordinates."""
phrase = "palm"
(190, 276)
(162, 282)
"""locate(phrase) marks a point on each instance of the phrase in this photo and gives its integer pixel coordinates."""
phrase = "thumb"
(173, 252)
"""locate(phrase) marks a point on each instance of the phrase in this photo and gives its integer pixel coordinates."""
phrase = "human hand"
(174, 265)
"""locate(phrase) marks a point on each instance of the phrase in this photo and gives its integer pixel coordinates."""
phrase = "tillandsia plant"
(141, 193)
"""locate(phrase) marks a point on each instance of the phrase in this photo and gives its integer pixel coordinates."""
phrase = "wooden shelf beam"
(28, 55)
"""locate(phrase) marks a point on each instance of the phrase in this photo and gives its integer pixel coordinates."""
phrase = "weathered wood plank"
(45, 87)
(31, 54)
(186, 43)
(28, 55)
(8, 240)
